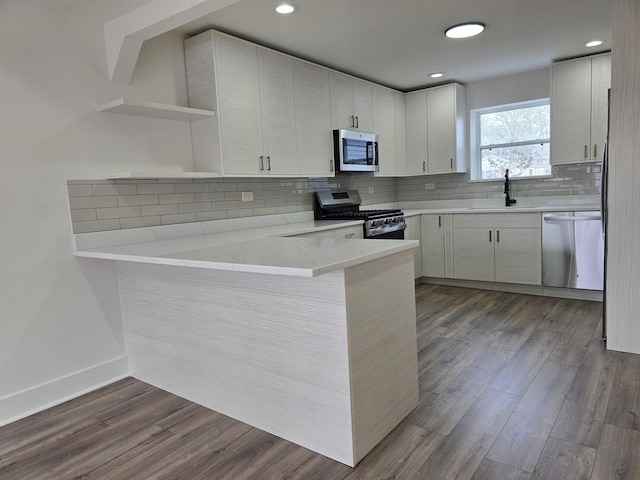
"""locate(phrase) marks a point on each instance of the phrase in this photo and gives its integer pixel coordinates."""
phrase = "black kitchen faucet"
(508, 201)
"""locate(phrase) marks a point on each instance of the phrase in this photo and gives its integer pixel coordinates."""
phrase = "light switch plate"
(371, 189)
(429, 186)
(247, 196)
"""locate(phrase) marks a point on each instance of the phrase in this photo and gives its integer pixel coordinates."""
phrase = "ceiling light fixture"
(285, 8)
(594, 43)
(464, 30)
(436, 75)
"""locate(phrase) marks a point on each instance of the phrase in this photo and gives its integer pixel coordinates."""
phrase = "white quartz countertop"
(264, 249)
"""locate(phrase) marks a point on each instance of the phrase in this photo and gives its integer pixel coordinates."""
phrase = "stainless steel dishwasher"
(572, 250)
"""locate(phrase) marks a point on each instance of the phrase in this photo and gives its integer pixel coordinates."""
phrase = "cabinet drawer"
(497, 220)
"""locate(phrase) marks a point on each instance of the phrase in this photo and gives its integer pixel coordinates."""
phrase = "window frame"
(475, 157)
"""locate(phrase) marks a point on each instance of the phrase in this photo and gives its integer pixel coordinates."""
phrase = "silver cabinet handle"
(497, 236)
(331, 165)
(353, 121)
(451, 162)
(439, 221)
(586, 151)
(261, 163)
(268, 163)
(357, 122)
(595, 149)
(489, 236)
(424, 166)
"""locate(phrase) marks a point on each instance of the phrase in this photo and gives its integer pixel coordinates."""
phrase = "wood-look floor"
(511, 387)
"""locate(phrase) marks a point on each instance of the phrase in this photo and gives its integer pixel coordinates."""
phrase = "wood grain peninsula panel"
(319, 361)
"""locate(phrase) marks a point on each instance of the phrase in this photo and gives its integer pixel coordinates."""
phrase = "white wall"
(60, 325)
(520, 87)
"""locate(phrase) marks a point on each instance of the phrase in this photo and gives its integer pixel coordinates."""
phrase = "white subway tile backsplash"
(80, 190)
(132, 200)
(96, 226)
(113, 189)
(92, 202)
(192, 187)
(83, 214)
(178, 218)
(166, 201)
(177, 198)
(117, 212)
(159, 188)
(195, 207)
(137, 222)
(149, 210)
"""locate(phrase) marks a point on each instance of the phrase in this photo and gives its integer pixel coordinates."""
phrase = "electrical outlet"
(247, 196)
(371, 189)
(429, 186)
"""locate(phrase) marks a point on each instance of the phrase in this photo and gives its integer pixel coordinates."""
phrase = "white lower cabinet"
(436, 248)
(504, 248)
(413, 232)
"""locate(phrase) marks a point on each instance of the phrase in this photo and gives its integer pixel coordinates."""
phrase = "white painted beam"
(124, 35)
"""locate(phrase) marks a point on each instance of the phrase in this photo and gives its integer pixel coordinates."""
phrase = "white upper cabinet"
(350, 103)
(416, 125)
(239, 115)
(313, 116)
(579, 109)
(401, 133)
(278, 113)
(435, 130)
(384, 126)
(446, 110)
(252, 90)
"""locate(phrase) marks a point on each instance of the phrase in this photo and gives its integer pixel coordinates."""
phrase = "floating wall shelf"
(157, 110)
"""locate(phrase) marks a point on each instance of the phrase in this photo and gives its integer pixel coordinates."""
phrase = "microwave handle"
(375, 156)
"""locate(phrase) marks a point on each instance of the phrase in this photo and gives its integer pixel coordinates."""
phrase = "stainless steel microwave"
(355, 151)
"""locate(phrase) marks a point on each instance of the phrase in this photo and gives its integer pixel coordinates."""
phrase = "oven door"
(395, 235)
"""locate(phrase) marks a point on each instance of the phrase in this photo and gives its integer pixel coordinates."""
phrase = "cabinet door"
(441, 129)
(341, 109)
(401, 133)
(278, 113)
(600, 84)
(384, 125)
(570, 111)
(313, 120)
(518, 255)
(413, 232)
(361, 104)
(239, 100)
(433, 250)
(473, 254)
(416, 109)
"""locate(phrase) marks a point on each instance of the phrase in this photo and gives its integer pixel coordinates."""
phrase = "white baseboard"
(573, 293)
(35, 399)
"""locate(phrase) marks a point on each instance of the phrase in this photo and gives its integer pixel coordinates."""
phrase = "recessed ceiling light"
(594, 43)
(436, 75)
(285, 8)
(464, 30)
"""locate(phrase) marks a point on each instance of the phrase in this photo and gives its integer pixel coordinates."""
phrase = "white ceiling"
(399, 42)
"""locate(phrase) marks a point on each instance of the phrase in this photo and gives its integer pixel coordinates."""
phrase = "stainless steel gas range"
(345, 205)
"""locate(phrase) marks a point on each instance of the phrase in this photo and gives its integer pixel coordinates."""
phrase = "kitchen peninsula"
(311, 339)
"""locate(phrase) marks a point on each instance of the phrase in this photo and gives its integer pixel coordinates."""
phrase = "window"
(514, 137)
